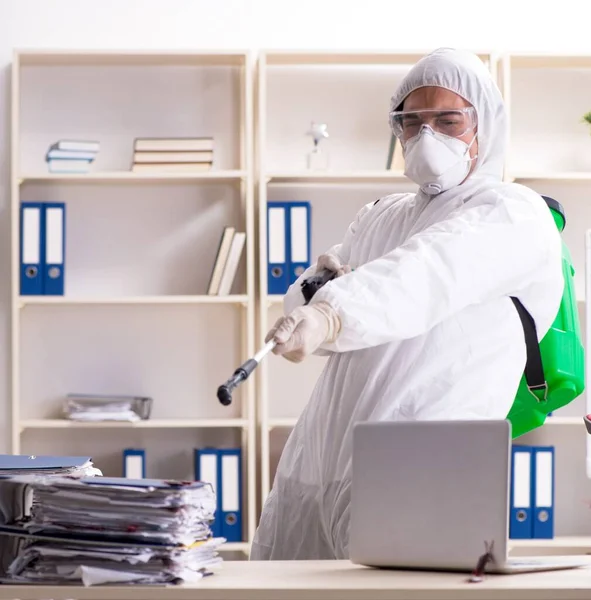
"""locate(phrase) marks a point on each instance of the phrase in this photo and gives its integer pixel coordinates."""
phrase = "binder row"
(532, 492)
(288, 243)
(222, 468)
(42, 248)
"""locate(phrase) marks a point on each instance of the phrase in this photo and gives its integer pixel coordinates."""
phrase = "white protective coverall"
(428, 330)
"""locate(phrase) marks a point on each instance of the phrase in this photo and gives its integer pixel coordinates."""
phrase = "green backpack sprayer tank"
(555, 370)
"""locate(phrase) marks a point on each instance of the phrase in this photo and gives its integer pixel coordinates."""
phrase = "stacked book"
(172, 154)
(114, 530)
(226, 264)
(71, 156)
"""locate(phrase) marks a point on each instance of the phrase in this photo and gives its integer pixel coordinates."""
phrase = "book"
(70, 155)
(62, 165)
(205, 156)
(76, 146)
(221, 259)
(231, 265)
(171, 167)
(173, 144)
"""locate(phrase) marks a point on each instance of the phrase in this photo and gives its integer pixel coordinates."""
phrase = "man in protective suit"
(418, 323)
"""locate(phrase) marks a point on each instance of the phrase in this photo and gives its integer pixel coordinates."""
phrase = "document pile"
(92, 407)
(116, 530)
(16, 497)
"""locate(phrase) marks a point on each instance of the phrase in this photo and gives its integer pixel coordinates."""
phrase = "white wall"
(312, 24)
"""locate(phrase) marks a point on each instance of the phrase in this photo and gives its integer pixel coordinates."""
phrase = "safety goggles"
(454, 122)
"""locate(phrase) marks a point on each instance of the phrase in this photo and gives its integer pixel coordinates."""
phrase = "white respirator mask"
(435, 161)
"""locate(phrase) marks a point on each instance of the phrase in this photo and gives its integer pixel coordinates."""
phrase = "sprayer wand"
(309, 287)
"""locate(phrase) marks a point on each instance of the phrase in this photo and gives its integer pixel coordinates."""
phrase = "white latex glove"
(302, 331)
(331, 263)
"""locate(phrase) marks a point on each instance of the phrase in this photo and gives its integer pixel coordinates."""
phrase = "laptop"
(434, 495)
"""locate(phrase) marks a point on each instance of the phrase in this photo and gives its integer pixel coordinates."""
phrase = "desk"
(332, 580)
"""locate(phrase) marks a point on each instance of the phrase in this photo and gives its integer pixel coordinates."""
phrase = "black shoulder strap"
(534, 369)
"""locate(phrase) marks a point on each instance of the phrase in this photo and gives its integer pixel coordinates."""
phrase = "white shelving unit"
(200, 339)
(282, 175)
(151, 324)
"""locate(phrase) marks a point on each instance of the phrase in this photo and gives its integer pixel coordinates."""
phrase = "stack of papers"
(115, 530)
(16, 498)
(92, 407)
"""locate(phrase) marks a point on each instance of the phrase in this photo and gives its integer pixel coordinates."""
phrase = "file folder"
(207, 470)
(277, 247)
(26, 462)
(299, 239)
(55, 247)
(31, 248)
(521, 522)
(231, 493)
(543, 492)
(134, 463)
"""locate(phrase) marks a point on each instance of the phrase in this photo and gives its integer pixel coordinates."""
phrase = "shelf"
(132, 177)
(65, 300)
(547, 61)
(336, 177)
(235, 547)
(565, 176)
(286, 422)
(274, 299)
(131, 57)
(559, 545)
(148, 424)
(345, 57)
(567, 541)
(554, 421)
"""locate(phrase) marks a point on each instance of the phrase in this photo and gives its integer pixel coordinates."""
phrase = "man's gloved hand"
(331, 263)
(302, 331)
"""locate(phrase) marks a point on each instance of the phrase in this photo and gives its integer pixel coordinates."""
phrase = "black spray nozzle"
(240, 374)
(312, 284)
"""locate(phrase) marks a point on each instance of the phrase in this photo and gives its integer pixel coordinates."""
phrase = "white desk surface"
(331, 580)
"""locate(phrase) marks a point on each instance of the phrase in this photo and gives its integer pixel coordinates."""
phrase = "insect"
(478, 573)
